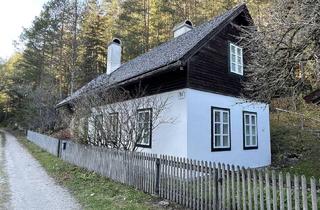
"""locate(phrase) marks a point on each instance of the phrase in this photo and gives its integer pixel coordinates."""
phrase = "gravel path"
(30, 186)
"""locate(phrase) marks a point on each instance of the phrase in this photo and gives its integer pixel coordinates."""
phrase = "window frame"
(96, 130)
(111, 114)
(245, 146)
(236, 60)
(150, 127)
(213, 147)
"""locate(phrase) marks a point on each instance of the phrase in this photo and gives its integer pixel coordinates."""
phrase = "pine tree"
(93, 43)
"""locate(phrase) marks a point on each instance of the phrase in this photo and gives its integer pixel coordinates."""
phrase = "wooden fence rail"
(197, 184)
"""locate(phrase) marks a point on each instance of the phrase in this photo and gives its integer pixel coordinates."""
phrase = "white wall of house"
(171, 138)
(190, 133)
(199, 130)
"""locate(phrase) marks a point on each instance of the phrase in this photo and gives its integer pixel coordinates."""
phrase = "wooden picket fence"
(206, 185)
(196, 184)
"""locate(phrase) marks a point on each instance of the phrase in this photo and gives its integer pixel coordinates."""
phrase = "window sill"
(250, 147)
(143, 146)
(220, 149)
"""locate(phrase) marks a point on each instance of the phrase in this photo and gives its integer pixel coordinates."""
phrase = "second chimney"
(182, 28)
(114, 55)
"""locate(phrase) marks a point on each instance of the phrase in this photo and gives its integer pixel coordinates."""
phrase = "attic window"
(236, 59)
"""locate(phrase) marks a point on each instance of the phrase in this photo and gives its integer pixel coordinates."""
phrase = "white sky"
(14, 15)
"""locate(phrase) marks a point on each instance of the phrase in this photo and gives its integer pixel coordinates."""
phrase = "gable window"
(250, 130)
(144, 126)
(236, 59)
(220, 118)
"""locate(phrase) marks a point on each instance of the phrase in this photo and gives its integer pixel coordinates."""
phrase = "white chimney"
(114, 55)
(182, 28)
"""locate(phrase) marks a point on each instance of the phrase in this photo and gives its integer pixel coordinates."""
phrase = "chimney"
(182, 28)
(114, 55)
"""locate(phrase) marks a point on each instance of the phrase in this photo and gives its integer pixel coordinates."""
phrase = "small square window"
(236, 59)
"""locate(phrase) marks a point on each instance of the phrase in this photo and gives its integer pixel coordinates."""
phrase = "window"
(250, 130)
(236, 59)
(220, 129)
(144, 120)
(113, 125)
(98, 129)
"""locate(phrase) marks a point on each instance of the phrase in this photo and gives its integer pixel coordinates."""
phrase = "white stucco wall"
(168, 138)
(190, 133)
(171, 138)
(199, 105)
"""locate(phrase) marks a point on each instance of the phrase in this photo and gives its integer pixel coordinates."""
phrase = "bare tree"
(119, 119)
(283, 51)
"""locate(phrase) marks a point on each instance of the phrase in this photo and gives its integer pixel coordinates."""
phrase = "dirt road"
(28, 185)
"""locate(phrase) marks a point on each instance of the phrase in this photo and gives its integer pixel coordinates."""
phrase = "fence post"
(157, 176)
(58, 149)
(314, 201)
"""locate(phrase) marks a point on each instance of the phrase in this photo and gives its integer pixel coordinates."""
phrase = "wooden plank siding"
(209, 67)
(206, 70)
(172, 79)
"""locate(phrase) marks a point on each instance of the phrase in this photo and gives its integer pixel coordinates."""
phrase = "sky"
(14, 15)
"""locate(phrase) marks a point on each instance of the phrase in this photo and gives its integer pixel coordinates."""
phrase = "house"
(200, 70)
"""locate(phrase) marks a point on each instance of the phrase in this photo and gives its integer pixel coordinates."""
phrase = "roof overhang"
(130, 80)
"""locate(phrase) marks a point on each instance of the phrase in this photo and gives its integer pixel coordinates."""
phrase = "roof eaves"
(69, 99)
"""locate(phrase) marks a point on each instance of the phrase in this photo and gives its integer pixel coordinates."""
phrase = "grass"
(4, 186)
(90, 189)
(287, 139)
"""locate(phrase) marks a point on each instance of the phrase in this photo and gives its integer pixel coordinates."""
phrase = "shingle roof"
(160, 56)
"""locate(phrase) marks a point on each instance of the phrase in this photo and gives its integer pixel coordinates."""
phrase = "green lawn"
(90, 189)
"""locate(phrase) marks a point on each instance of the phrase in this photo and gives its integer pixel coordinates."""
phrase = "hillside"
(295, 144)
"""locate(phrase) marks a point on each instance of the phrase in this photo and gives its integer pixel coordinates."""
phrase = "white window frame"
(148, 124)
(250, 130)
(235, 59)
(218, 129)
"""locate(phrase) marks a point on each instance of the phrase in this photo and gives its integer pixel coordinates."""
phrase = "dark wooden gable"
(172, 79)
(208, 68)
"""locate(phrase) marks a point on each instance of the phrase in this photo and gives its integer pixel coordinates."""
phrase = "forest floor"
(92, 190)
(294, 149)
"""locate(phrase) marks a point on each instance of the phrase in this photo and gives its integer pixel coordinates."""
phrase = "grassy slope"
(93, 191)
(287, 139)
(4, 185)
